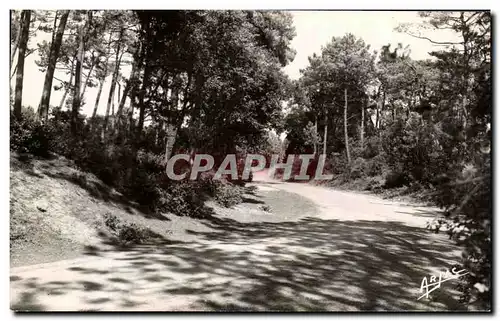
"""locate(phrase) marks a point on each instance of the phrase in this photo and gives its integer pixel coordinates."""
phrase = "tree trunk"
(99, 92)
(129, 88)
(16, 44)
(78, 77)
(185, 101)
(23, 42)
(87, 80)
(464, 113)
(83, 32)
(146, 54)
(114, 118)
(362, 134)
(325, 135)
(133, 77)
(113, 81)
(378, 107)
(66, 90)
(123, 99)
(119, 93)
(382, 107)
(130, 115)
(13, 73)
(466, 70)
(56, 16)
(142, 94)
(315, 135)
(345, 129)
(170, 140)
(55, 46)
(102, 80)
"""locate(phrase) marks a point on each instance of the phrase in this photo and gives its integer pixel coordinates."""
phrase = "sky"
(316, 28)
(313, 28)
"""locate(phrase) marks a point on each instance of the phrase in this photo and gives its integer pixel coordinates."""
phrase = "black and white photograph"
(271, 160)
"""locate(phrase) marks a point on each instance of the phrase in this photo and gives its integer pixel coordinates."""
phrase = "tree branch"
(443, 43)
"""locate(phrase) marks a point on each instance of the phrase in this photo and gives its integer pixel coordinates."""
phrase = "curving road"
(355, 252)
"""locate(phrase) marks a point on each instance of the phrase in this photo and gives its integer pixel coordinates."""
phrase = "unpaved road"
(356, 252)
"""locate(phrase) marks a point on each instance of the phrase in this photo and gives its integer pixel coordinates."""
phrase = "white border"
(260, 4)
(199, 4)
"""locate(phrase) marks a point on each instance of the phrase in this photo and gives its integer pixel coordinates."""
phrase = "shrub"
(469, 210)
(131, 233)
(421, 149)
(27, 135)
(179, 198)
(375, 184)
(183, 198)
(375, 166)
(111, 221)
(395, 179)
(358, 168)
(228, 195)
(372, 148)
(127, 233)
(339, 163)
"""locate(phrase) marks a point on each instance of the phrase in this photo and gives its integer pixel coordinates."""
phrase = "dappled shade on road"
(307, 265)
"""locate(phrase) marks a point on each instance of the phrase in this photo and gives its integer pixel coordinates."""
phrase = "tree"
(130, 86)
(102, 72)
(190, 76)
(124, 26)
(64, 60)
(345, 65)
(23, 42)
(346, 135)
(15, 35)
(116, 70)
(54, 53)
(82, 33)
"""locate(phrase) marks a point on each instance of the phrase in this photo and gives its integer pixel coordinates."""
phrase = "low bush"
(127, 233)
(375, 166)
(182, 198)
(131, 233)
(375, 183)
(358, 168)
(228, 195)
(395, 179)
(111, 221)
(27, 135)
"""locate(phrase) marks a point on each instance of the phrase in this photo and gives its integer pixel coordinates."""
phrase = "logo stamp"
(434, 283)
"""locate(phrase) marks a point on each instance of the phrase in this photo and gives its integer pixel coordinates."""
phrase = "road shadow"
(308, 265)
